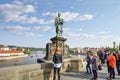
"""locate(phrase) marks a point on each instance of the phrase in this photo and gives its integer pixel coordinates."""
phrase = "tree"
(19, 48)
(111, 49)
(27, 51)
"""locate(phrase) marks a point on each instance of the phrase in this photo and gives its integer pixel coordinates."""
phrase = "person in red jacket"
(112, 63)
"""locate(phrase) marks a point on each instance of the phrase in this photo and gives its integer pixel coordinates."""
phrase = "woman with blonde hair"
(94, 62)
(57, 59)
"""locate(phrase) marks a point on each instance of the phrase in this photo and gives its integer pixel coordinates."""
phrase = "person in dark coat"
(57, 59)
(107, 53)
(118, 62)
(101, 56)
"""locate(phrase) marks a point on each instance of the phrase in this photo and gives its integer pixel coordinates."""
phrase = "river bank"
(23, 60)
(12, 57)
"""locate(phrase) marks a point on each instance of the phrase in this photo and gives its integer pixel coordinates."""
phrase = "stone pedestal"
(57, 42)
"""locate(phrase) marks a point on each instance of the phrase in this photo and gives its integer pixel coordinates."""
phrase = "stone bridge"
(42, 71)
(72, 69)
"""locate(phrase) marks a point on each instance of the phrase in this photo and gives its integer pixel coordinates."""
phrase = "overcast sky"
(88, 23)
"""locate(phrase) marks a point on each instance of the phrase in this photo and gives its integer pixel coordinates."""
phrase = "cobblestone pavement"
(102, 75)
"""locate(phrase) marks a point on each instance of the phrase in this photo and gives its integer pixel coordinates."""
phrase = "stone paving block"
(82, 75)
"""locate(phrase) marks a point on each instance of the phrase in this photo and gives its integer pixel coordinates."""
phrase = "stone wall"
(43, 71)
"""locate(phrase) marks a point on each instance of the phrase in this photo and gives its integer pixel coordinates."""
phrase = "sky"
(88, 23)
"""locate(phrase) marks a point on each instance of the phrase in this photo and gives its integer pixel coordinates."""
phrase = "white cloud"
(25, 31)
(14, 11)
(88, 35)
(31, 34)
(46, 14)
(71, 16)
(17, 2)
(85, 17)
(109, 38)
(72, 34)
(78, 35)
(18, 12)
(103, 32)
(77, 29)
(45, 28)
(21, 28)
(27, 34)
(12, 28)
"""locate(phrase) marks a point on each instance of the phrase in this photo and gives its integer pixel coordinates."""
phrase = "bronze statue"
(58, 23)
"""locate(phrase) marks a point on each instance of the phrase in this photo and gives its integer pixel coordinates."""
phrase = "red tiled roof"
(10, 51)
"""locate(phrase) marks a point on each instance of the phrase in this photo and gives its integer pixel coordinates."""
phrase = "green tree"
(111, 49)
(27, 51)
(19, 48)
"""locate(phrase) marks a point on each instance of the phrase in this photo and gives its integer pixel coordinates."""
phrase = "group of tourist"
(96, 60)
(94, 63)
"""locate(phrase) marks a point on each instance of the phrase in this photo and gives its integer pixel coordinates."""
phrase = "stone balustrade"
(40, 71)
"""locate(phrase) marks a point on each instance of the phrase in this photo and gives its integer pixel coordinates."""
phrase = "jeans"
(88, 68)
(56, 70)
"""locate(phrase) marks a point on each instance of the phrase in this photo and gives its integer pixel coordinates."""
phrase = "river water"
(31, 59)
